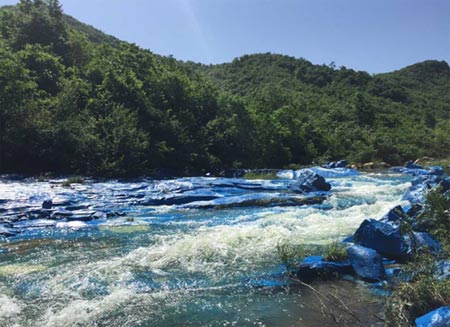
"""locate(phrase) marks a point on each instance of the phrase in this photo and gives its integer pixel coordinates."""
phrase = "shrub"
(335, 251)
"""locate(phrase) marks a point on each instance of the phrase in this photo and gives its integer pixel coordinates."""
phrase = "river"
(179, 252)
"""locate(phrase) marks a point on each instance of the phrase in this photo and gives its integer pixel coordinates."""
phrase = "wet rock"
(436, 170)
(315, 268)
(47, 204)
(61, 214)
(309, 181)
(384, 238)
(437, 318)
(367, 263)
(256, 200)
(177, 199)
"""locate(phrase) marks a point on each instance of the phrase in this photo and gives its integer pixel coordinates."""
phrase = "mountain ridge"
(85, 102)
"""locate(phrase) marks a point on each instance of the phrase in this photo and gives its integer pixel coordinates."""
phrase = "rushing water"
(186, 264)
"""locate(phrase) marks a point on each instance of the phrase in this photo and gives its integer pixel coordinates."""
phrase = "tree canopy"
(75, 100)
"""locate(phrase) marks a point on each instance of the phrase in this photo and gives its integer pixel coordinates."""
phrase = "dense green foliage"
(426, 290)
(73, 99)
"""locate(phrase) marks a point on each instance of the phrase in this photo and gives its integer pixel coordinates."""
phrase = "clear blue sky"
(372, 35)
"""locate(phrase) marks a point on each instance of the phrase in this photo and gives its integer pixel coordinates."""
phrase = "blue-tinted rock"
(314, 267)
(436, 170)
(443, 269)
(367, 263)
(341, 164)
(256, 200)
(437, 318)
(47, 204)
(424, 240)
(348, 239)
(309, 181)
(384, 238)
(177, 199)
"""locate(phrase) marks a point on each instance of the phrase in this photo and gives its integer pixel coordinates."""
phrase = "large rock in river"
(384, 238)
(315, 267)
(309, 181)
(367, 263)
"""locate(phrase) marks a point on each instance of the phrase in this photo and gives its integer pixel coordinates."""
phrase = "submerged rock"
(47, 204)
(309, 181)
(178, 199)
(256, 200)
(437, 318)
(314, 267)
(367, 263)
(384, 238)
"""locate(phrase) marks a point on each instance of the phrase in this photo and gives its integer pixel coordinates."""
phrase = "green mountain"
(73, 99)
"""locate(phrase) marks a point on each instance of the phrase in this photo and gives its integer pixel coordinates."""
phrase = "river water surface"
(181, 252)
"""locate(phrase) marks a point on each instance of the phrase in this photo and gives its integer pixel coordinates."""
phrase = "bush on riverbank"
(426, 290)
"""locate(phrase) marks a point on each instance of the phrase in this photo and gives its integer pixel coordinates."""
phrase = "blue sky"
(372, 35)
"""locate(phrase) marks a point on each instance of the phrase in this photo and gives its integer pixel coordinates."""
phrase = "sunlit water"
(170, 265)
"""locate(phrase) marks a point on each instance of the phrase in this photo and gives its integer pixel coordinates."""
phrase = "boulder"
(423, 240)
(47, 204)
(309, 181)
(437, 318)
(367, 263)
(384, 238)
(314, 268)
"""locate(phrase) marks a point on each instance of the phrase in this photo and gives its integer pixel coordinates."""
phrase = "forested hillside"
(74, 100)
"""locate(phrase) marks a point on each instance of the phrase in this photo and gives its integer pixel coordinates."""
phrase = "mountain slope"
(74, 99)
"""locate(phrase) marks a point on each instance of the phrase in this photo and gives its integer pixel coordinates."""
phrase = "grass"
(291, 254)
(335, 251)
(424, 293)
(73, 180)
(255, 175)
